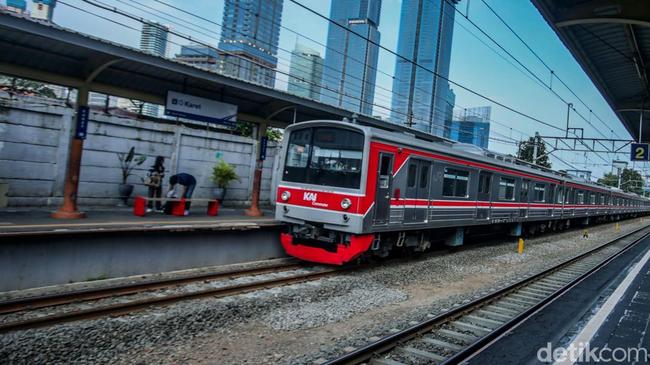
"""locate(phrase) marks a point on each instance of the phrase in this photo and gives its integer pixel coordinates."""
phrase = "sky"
(476, 62)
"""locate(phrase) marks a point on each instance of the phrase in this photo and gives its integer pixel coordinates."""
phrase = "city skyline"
(475, 64)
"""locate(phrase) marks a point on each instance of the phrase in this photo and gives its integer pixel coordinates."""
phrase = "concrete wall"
(30, 262)
(34, 147)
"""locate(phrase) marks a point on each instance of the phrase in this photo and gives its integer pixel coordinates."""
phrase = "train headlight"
(346, 203)
(285, 195)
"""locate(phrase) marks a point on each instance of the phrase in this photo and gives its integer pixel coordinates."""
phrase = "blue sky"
(473, 64)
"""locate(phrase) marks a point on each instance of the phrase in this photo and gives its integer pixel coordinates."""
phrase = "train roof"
(426, 141)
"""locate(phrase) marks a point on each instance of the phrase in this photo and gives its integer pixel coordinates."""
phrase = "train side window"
(581, 198)
(484, 182)
(454, 183)
(567, 196)
(384, 171)
(602, 199)
(592, 199)
(538, 192)
(551, 192)
(413, 169)
(424, 176)
(507, 188)
(560, 195)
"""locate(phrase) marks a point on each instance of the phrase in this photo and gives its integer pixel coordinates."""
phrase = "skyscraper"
(350, 60)
(420, 98)
(306, 72)
(43, 9)
(199, 56)
(154, 39)
(473, 127)
(250, 34)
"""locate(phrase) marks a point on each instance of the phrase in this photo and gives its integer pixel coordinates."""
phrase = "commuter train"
(347, 190)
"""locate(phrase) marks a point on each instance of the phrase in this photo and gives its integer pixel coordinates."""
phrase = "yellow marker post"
(520, 247)
(618, 227)
(585, 234)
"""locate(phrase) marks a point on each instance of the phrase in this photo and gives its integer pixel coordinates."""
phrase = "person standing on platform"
(154, 182)
(187, 183)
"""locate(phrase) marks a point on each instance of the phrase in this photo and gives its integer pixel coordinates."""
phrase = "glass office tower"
(420, 98)
(349, 70)
(250, 34)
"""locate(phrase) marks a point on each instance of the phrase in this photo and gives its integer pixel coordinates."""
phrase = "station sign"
(639, 152)
(81, 128)
(263, 146)
(201, 109)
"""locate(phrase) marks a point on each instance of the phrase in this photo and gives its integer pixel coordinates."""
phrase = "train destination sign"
(639, 152)
(201, 109)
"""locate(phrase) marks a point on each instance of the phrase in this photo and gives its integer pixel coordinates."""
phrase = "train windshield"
(325, 156)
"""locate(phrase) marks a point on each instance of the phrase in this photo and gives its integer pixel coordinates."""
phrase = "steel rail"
(136, 305)
(55, 299)
(498, 320)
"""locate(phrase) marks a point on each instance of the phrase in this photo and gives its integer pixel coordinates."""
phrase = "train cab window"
(580, 198)
(326, 156)
(560, 195)
(592, 199)
(484, 179)
(455, 183)
(424, 176)
(567, 196)
(412, 174)
(506, 188)
(539, 192)
(602, 199)
(299, 148)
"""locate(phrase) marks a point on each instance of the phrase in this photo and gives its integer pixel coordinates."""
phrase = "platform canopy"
(46, 52)
(610, 39)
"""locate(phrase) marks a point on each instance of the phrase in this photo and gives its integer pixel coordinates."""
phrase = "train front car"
(322, 191)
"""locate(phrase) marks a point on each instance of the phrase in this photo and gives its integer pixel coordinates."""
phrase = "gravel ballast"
(302, 323)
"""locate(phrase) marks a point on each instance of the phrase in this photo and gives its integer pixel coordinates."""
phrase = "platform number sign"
(639, 152)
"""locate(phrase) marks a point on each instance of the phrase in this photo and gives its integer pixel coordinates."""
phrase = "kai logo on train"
(310, 197)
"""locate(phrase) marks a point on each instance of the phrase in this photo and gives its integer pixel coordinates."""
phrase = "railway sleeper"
(482, 321)
(412, 351)
(462, 338)
(472, 328)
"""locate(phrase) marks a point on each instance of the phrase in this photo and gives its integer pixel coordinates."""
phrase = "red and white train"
(347, 189)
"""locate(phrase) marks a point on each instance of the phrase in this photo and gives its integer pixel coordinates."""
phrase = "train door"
(483, 197)
(417, 191)
(523, 198)
(384, 186)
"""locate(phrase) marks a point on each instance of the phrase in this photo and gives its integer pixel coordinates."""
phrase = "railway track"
(452, 336)
(18, 306)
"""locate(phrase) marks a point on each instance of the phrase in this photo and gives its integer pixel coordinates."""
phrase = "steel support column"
(69, 209)
(254, 210)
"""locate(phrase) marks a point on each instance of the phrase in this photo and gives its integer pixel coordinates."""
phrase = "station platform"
(37, 250)
(25, 222)
(609, 310)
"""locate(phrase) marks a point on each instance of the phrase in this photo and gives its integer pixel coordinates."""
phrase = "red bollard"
(213, 208)
(140, 206)
(178, 208)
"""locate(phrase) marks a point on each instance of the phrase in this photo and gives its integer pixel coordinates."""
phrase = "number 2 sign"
(639, 152)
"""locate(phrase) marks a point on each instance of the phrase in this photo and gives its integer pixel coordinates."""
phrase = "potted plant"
(128, 161)
(223, 174)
